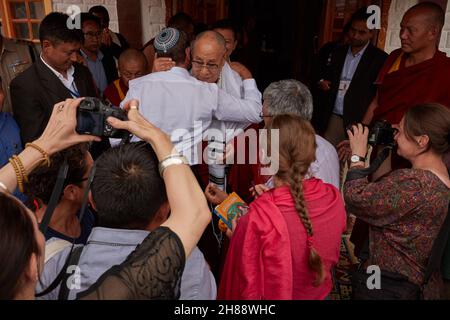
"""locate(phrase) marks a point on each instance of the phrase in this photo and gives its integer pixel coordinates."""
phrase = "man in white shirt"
(293, 97)
(183, 106)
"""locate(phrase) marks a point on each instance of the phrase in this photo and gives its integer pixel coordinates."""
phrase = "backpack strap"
(64, 289)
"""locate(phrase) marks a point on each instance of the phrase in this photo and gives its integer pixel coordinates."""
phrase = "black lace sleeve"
(152, 272)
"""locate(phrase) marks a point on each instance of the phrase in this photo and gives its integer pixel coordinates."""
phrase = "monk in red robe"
(132, 65)
(418, 72)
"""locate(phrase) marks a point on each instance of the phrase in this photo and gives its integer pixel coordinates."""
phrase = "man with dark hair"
(64, 224)
(354, 69)
(130, 198)
(15, 57)
(112, 43)
(229, 32)
(101, 64)
(54, 77)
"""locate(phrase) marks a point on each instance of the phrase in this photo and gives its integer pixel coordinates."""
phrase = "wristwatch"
(174, 160)
(355, 159)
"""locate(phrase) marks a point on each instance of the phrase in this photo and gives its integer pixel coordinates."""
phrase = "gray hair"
(289, 97)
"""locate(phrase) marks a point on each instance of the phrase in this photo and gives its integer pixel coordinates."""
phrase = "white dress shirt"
(326, 167)
(184, 107)
(68, 82)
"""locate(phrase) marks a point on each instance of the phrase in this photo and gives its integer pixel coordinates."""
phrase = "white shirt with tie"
(184, 107)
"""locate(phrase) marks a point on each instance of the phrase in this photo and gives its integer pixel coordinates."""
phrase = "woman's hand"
(140, 127)
(60, 132)
(215, 195)
(359, 137)
(259, 190)
(162, 64)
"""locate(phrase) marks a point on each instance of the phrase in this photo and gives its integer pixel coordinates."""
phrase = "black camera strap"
(56, 194)
(357, 174)
(54, 198)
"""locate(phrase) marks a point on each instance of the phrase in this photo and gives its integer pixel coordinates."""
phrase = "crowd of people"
(89, 217)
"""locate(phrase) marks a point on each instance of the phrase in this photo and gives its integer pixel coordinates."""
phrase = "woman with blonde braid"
(287, 244)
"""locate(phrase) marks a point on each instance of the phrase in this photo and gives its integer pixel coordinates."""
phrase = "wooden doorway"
(202, 11)
(337, 14)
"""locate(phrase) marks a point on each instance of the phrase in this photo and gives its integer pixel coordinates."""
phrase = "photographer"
(406, 208)
(22, 244)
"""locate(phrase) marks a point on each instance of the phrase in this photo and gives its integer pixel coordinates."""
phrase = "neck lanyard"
(74, 93)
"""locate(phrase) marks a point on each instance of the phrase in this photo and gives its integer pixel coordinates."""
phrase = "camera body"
(91, 119)
(382, 134)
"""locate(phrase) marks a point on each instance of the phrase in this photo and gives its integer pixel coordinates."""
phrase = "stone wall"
(153, 18)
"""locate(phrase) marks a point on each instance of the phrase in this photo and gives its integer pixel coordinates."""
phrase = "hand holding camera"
(359, 136)
(60, 132)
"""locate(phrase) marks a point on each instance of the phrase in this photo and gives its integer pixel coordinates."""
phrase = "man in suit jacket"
(53, 78)
(355, 68)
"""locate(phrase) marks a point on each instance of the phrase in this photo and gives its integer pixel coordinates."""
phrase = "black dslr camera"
(91, 119)
(382, 134)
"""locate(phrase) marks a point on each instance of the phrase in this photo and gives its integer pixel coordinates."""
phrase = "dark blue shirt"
(10, 143)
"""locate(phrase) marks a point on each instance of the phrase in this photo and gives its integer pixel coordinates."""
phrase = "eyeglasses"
(93, 34)
(209, 66)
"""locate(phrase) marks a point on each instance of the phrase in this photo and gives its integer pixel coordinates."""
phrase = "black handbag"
(393, 287)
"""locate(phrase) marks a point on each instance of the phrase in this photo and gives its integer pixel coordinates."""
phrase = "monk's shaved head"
(210, 38)
(132, 55)
(432, 12)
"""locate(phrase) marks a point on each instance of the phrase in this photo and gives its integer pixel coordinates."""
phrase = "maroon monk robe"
(426, 82)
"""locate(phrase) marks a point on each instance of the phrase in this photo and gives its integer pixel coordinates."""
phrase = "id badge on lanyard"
(344, 85)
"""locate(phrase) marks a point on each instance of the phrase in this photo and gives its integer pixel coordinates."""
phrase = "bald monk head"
(421, 28)
(208, 56)
(132, 65)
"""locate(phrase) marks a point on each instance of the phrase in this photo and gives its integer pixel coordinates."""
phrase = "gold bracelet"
(42, 151)
(22, 168)
(18, 175)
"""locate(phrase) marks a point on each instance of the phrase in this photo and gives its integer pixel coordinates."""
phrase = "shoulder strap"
(64, 289)
(53, 248)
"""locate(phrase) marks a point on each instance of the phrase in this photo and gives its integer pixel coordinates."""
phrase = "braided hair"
(296, 153)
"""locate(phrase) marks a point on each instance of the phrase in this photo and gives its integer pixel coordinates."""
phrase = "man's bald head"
(132, 65)
(210, 38)
(421, 28)
(132, 55)
(208, 56)
(432, 12)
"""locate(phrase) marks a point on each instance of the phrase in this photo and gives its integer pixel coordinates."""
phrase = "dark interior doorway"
(280, 37)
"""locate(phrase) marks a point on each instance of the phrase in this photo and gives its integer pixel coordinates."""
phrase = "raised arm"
(59, 135)
(189, 210)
